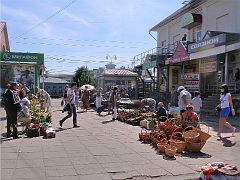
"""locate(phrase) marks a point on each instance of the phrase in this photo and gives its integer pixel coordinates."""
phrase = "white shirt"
(71, 96)
(197, 104)
(224, 100)
(188, 95)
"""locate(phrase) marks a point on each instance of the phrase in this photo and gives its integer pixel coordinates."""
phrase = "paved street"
(101, 149)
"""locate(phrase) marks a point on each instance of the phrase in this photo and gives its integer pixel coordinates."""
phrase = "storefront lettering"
(24, 57)
(215, 41)
(205, 43)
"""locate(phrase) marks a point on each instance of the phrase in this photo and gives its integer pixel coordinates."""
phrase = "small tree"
(83, 76)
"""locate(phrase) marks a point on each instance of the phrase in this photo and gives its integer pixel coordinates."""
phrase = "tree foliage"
(83, 76)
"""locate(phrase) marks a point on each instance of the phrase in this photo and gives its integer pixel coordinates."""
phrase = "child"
(197, 103)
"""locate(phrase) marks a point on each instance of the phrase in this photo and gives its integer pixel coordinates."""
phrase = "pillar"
(226, 68)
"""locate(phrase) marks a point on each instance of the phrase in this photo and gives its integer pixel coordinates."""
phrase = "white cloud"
(75, 18)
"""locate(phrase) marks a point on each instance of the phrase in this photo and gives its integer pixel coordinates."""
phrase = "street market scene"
(116, 90)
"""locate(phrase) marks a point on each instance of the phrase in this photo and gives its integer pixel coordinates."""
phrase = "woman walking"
(226, 107)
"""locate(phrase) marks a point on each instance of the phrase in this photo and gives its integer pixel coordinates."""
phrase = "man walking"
(12, 106)
(184, 99)
(72, 104)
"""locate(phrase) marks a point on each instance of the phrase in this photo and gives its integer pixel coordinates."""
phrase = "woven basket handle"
(175, 133)
(188, 128)
(204, 123)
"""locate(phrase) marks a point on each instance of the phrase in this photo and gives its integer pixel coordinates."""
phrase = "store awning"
(180, 55)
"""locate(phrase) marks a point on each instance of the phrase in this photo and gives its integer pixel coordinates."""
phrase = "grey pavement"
(101, 149)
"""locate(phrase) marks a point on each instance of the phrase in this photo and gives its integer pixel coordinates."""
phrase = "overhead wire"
(45, 20)
(81, 45)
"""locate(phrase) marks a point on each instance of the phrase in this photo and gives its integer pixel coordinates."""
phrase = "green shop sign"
(149, 64)
(22, 57)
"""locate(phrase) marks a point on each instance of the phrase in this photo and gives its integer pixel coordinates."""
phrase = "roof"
(192, 4)
(54, 80)
(118, 72)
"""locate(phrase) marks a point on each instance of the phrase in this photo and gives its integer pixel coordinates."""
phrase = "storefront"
(217, 61)
(25, 68)
(183, 70)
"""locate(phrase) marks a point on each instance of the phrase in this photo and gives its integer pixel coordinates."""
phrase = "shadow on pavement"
(61, 129)
(195, 155)
(226, 142)
(106, 122)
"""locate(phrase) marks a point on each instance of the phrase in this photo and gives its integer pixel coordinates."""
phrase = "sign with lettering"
(180, 54)
(22, 57)
(208, 65)
(205, 44)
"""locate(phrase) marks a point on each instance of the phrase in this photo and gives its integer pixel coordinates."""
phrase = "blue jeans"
(70, 113)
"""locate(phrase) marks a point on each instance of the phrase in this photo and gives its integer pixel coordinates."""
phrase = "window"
(164, 43)
(60, 89)
(54, 89)
(176, 38)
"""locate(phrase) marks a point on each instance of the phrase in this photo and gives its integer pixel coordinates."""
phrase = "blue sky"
(85, 32)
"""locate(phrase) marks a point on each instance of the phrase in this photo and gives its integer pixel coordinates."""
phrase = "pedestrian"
(72, 107)
(98, 99)
(113, 97)
(46, 101)
(148, 103)
(226, 108)
(77, 98)
(237, 79)
(184, 99)
(85, 98)
(197, 103)
(12, 106)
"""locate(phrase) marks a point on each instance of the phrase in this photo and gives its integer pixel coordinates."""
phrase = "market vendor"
(161, 112)
(24, 115)
(148, 103)
(189, 118)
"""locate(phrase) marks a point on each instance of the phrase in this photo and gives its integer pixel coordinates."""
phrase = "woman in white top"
(226, 107)
(197, 103)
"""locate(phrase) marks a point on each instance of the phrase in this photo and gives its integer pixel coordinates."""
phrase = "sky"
(75, 33)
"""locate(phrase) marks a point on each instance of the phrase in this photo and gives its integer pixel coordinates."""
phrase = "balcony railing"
(159, 51)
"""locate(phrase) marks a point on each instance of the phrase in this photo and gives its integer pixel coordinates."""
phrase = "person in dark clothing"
(12, 106)
(237, 79)
(161, 112)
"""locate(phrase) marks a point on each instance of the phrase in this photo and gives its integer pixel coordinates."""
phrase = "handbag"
(68, 107)
(218, 108)
(19, 107)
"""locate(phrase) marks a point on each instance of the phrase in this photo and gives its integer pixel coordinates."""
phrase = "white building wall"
(221, 15)
(218, 15)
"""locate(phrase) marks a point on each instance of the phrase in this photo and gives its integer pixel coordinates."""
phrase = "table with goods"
(40, 121)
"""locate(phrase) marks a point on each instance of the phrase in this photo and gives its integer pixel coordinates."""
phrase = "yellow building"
(4, 37)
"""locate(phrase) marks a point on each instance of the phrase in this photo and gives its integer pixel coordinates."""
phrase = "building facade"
(4, 37)
(212, 63)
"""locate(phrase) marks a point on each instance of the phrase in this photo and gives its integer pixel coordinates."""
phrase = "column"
(226, 68)
(36, 75)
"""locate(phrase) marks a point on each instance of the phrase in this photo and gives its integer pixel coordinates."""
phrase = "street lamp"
(114, 57)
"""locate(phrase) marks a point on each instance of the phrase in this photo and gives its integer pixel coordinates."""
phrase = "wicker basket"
(204, 136)
(161, 145)
(170, 150)
(195, 147)
(177, 140)
(192, 135)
